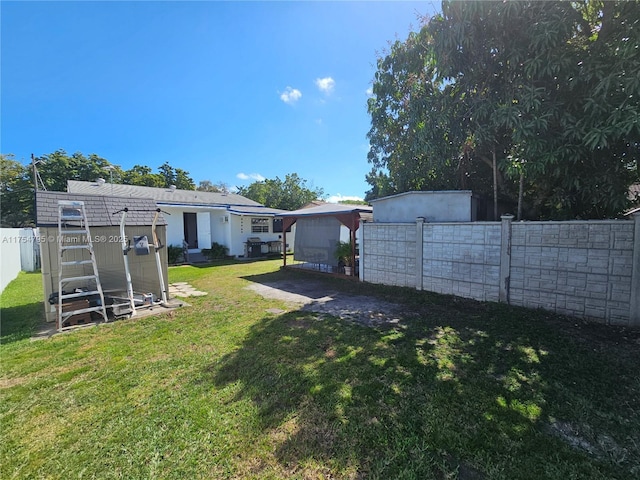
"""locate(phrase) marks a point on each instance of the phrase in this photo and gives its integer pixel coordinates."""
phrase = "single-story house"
(201, 218)
(103, 219)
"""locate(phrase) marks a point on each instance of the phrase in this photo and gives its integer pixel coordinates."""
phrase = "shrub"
(216, 251)
(174, 253)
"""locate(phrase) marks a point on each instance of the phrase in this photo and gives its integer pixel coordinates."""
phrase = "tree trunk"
(495, 185)
(520, 195)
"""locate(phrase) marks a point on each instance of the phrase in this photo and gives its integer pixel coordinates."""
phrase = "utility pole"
(35, 190)
(36, 178)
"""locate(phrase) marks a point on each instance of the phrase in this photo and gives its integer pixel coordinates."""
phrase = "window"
(259, 225)
(277, 226)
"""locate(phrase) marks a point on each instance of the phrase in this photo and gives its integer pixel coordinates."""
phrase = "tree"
(534, 101)
(291, 193)
(16, 193)
(176, 176)
(17, 189)
(58, 167)
(208, 186)
(143, 176)
(183, 180)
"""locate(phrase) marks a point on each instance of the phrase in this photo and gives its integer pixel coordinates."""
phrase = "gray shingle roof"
(100, 209)
(160, 195)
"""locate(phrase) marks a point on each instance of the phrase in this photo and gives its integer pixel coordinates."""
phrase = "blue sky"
(229, 91)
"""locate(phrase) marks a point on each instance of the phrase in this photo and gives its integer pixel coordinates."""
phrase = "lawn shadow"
(216, 262)
(311, 285)
(20, 322)
(437, 396)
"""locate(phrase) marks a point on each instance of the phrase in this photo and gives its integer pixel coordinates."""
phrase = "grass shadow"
(21, 308)
(464, 390)
(19, 323)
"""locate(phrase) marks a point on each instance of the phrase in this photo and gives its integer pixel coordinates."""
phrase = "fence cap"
(507, 216)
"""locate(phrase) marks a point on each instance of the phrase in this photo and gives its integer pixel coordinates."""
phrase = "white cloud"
(251, 176)
(290, 95)
(370, 92)
(325, 84)
(340, 198)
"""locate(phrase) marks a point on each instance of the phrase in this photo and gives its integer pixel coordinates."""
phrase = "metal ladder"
(74, 212)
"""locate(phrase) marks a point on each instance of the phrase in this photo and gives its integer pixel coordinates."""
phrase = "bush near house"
(216, 252)
(174, 254)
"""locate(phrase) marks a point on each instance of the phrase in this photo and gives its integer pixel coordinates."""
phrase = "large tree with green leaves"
(536, 102)
(288, 194)
(16, 193)
(209, 186)
(58, 167)
(17, 184)
(176, 176)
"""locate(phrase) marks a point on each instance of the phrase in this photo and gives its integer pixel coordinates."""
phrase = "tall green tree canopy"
(58, 167)
(17, 186)
(288, 194)
(209, 186)
(16, 193)
(540, 99)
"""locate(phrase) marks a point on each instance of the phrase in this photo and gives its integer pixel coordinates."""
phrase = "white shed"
(434, 206)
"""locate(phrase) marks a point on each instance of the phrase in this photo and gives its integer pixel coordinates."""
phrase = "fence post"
(505, 257)
(419, 251)
(634, 312)
(363, 244)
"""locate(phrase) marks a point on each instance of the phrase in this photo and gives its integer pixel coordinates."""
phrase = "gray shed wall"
(433, 206)
(109, 259)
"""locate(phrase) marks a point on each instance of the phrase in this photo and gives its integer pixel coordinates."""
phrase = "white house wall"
(237, 231)
(212, 227)
(175, 225)
(208, 227)
(240, 231)
(220, 227)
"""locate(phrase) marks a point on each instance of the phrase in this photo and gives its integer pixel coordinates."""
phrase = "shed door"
(190, 229)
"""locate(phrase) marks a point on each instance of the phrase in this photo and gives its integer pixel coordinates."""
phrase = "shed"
(104, 227)
(433, 206)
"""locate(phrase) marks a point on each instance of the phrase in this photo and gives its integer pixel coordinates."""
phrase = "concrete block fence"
(587, 269)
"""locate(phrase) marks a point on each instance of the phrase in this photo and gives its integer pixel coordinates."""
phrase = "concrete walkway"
(314, 296)
(183, 289)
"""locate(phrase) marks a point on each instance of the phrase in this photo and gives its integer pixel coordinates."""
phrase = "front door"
(190, 229)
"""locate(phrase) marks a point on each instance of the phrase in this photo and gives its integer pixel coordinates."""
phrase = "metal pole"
(125, 251)
(157, 247)
(35, 190)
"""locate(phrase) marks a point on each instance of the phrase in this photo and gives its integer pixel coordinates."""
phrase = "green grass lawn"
(225, 389)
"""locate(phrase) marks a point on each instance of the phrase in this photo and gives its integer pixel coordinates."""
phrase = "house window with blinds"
(259, 225)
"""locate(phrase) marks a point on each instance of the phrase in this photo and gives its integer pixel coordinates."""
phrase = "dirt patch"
(583, 437)
(12, 382)
(313, 296)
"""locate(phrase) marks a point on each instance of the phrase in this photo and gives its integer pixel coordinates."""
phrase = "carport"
(347, 215)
